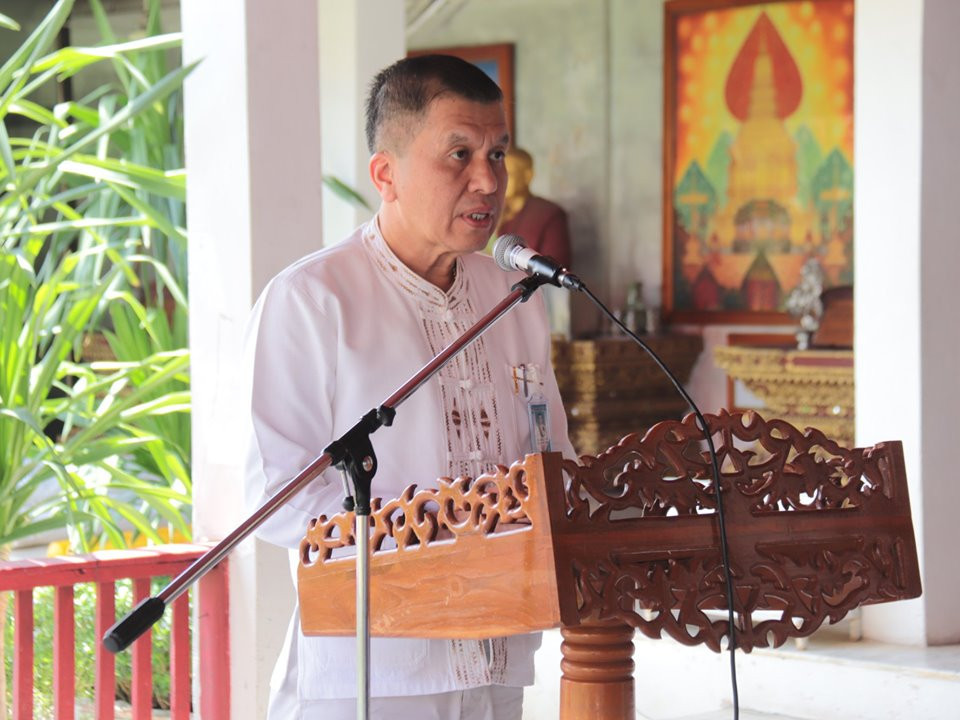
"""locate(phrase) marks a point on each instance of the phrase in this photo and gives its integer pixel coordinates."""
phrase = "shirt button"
(467, 384)
(475, 455)
(448, 315)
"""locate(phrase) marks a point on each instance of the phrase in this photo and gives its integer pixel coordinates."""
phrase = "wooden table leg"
(597, 665)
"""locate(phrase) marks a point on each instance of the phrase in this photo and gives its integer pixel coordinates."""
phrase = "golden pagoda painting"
(758, 146)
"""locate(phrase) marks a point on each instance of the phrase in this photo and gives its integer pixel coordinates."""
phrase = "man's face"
(448, 182)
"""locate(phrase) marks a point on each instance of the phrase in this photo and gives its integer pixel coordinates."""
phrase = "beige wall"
(587, 88)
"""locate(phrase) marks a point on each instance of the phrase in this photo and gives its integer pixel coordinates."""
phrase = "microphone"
(511, 253)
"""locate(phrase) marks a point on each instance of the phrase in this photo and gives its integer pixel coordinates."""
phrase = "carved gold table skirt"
(611, 387)
(807, 388)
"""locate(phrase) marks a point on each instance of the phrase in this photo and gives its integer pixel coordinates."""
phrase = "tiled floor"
(832, 679)
(829, 643)
(727, 714)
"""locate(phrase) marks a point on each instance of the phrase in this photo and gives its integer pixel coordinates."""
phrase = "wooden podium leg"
(597, 681)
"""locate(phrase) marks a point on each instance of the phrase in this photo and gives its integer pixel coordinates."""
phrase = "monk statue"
(543, 227)
(541, 223)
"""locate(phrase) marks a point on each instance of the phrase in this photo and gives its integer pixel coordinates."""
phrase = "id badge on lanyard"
(527, 384)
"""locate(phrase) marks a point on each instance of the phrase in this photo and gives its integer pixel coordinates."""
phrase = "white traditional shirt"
(330, 338)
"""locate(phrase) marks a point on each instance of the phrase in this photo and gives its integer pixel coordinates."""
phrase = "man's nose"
(483, 176)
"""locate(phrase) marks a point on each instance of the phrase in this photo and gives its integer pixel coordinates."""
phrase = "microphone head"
(503, 251)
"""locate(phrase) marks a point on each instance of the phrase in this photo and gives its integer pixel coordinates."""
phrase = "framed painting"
(758, 154)
(495, 60)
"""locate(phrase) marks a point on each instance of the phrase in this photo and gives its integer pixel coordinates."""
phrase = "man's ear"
(381, 173)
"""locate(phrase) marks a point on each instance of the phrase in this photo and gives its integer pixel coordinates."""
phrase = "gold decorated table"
(807, 388)
(610, 386)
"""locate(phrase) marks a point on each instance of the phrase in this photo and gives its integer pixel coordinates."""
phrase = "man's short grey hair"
(400, 94)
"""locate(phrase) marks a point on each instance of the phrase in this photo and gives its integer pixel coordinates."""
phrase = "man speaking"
(339, 330)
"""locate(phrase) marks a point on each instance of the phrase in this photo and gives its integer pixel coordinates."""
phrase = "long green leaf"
(24, 56)
(144, 489)
(136, 395)
(103, 21)
(6, 155)
(36, 112)
(170, 184)
(164, 272)
(169, 403)
(157, 218)
(345, 192)
(82, 224)
(31, 529)
(9, 23)
(70, 60)
(163, 88)
(110, 446)
(80, 111)
(141, 523)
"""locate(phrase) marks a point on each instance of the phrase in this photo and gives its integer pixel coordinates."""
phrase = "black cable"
(724, 552)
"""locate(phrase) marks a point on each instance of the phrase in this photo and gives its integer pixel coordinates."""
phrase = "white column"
(940, 328)
(253, 143)
(253, 157)
(357, 39)
(907, 339)
(887, 254)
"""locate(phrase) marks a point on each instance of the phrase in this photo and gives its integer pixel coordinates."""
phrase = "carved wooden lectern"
(629, 540)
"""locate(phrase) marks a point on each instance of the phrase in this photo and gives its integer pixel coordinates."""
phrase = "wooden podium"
(629, 540)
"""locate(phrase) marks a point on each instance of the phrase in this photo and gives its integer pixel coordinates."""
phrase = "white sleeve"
(291, 367)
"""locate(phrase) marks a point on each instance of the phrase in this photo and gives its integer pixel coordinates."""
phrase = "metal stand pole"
(361, 533)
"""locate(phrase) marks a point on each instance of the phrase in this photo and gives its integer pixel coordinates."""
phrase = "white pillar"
(907, 339)
(940, 329)
(253, 144)
(357, 39)
(253, 197)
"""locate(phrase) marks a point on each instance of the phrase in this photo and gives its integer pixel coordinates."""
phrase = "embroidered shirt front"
(471, 417)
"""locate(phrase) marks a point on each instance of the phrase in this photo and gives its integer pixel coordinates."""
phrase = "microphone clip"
(529, 285)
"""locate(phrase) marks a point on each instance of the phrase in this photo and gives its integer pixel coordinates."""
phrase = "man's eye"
(498, 155)
(460, 154)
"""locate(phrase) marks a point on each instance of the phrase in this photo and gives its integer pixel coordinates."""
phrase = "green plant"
(91, 241)
(345, 192)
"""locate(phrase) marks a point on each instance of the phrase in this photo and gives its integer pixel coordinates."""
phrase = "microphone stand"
(353, 454)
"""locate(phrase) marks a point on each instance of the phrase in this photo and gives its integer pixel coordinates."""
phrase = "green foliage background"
(94, 366)
(92, 248)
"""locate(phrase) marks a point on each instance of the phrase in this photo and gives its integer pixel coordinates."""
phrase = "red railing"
(104, 569)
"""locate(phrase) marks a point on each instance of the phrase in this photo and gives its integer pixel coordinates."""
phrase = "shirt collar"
(408, 281)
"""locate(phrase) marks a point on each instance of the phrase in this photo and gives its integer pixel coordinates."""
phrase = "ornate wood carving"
(418, 518)
(630, 537)
(442, 560)
(815, 530)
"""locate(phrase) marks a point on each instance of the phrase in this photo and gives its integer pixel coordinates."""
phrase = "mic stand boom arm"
(353, 450)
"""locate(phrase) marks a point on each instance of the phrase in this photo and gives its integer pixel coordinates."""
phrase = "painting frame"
(498, 56)
(679, 289)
